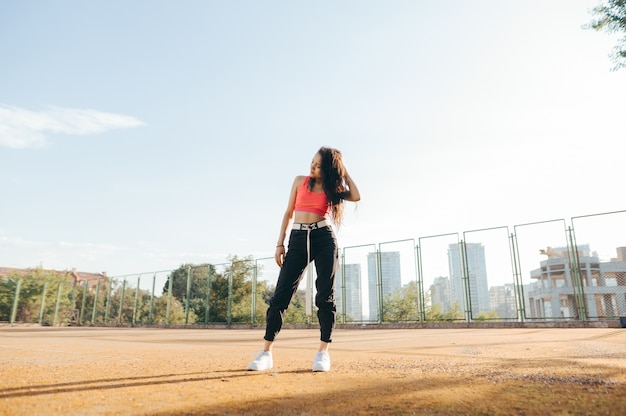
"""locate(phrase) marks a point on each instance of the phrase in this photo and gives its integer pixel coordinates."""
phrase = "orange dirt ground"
(130, 371)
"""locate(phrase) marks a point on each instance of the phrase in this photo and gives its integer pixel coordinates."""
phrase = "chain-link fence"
(543, 271)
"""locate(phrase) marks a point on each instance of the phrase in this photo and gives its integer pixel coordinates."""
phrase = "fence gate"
(600, 241)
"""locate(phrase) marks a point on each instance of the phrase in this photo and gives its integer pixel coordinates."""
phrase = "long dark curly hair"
(333, 181)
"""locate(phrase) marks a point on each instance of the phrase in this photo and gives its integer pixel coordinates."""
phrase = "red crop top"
(311, 201)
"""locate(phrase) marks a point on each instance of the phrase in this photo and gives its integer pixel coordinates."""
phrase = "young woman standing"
(313, 199)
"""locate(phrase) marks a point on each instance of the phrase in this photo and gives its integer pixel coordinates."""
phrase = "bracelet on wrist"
(280, 245)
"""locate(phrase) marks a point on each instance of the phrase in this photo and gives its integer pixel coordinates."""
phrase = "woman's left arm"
(352, 194)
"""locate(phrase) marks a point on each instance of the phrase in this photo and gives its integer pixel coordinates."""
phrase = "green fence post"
(187, 295)
(230, 295)
(136, 299)
(208, 295)
(420, 284)
(517, 278)
(56, 306)
(43, 301)
(342, 284)
(152, 298)
(82, 306)
(119, 315)
(18, 286)
(170, 288)
(95, 303)
(108, 302)
(466, 281)
(73, 296)
(253, 306)
(379, 287)
(575, 272)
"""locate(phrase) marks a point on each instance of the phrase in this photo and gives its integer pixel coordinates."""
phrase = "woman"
(313, 199)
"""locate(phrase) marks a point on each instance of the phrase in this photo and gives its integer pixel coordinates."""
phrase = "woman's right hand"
(280, 255)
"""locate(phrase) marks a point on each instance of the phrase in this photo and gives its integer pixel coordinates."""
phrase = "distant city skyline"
(555, 289)
(501, 299)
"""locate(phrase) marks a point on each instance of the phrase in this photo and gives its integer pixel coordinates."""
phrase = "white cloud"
(21, 128)
(58, 255)
(117, 260)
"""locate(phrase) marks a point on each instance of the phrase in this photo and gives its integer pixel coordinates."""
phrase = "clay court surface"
(124, 371)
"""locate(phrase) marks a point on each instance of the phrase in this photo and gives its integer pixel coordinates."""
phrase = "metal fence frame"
(102, 305)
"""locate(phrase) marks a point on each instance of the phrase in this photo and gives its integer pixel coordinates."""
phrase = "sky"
(139, 136)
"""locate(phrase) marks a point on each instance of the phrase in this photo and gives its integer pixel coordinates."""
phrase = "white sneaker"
(262, 362)
(321, 361)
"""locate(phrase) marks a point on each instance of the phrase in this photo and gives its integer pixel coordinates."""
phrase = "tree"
(611, 18)
(434, 313)
(401, 305)
(36, 287)
(486, 316)
(199, 277)
(229, 292)
(240, 273)
(119, 303)
(159, 314)
(296, 313)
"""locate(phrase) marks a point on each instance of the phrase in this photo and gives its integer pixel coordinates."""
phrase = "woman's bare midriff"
(304, 217)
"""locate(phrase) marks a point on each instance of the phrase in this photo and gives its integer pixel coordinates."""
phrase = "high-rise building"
(502, 300)
(477, 269)
(351, 286)
(556, 289)
(390, 279)
(440, 293)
